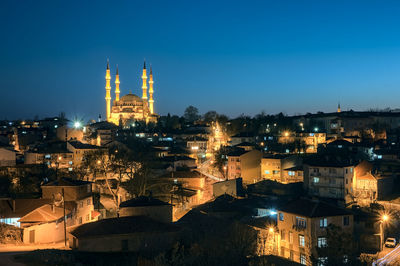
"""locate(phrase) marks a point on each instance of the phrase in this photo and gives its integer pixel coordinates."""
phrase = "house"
(244, 164)
(54, 154)
(330, 176)
(233, 187)
(7, 155)
(130, 233)
(11, 210)
(242, 137)
(147, 206)
(174, 163)
(77, 191)
(79, 150)
(44, 224)
(302, 224)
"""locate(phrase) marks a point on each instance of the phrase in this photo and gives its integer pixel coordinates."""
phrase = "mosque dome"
(129, 99)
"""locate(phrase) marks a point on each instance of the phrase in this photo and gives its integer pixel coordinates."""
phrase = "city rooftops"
(237, 152)
(330, 160)
(313, 208)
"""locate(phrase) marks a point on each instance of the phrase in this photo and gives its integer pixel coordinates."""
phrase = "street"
(391, 256)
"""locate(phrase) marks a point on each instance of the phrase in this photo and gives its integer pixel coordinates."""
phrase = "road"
(391, 257)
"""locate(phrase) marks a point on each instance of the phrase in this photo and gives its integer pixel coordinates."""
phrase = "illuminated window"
(290, 237)
(322, 242)
(316, 180)
(266, 172)
(303, 259)
(291, 173)
(323, 222)
(302, 241)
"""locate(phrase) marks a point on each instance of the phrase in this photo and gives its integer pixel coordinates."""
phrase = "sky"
(232, 56)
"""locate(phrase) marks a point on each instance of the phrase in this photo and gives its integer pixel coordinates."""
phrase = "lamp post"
(383, 220)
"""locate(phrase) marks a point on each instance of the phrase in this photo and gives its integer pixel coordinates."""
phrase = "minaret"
(117, 86)
(108, 91)
(144, 86)
(338, 108)
(151, 100)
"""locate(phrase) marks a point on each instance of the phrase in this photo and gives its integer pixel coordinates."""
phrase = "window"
(302, 241)
(316, 180)
(346, 220)
(280, 216)
(275, 172)
(81, 204)
(301, 222)
(283, 235)
(290, 237)
(87, 217)
(316, 170)
(322, 242)
(291, 173)
(291, 255)
(323, 222)
(322, 261)
(266, 172)
(89, 188)
(303, 259)
(88, 202)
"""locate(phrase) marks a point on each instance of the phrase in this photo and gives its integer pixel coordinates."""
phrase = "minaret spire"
(108, 91)
(144, 86)
(338, 108)
(151, 100)
(117, 86)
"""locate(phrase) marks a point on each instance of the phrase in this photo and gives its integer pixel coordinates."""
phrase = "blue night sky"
(230, 56)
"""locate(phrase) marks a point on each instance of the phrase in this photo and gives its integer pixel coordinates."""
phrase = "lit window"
(303, 259)
(291, 238)
(302, 241)
(323, 222)
(316, 179)
(291, 173)
(322, 242)
(266, 172)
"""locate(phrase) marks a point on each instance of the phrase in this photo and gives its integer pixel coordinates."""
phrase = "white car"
(390, 242)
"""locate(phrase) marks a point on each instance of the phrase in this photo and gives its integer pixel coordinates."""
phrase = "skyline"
(250, 58)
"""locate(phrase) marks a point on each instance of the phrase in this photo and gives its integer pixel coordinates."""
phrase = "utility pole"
(65, 220)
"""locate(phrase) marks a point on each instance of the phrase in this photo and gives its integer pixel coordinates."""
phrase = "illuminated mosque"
(130, 107)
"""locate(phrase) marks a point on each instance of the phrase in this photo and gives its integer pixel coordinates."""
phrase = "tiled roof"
(313, 208)
(45, 213)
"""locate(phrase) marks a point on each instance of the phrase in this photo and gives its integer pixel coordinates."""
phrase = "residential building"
(302, 227)
(244, 164)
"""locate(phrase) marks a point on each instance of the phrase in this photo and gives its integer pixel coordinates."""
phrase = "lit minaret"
(117, 86)
(144, 86)
(151, 100)
(338, 108)
(108, 91)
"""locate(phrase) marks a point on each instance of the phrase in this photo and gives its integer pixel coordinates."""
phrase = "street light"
(383, 220)
(77, 124)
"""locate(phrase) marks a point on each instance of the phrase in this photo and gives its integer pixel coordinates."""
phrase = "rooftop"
(67, 182)
(122, 225)
(142, 201)
(313, 208)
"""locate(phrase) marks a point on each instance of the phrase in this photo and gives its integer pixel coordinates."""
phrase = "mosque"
(130, 107)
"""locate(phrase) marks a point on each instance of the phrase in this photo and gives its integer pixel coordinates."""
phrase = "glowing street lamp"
(77, 124)
(384, 219)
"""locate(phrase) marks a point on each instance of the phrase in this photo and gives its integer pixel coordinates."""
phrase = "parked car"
(390, 242)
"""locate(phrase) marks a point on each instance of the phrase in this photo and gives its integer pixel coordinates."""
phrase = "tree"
(210, 116)
(220, 160)
(340, 246)
(191, 114)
